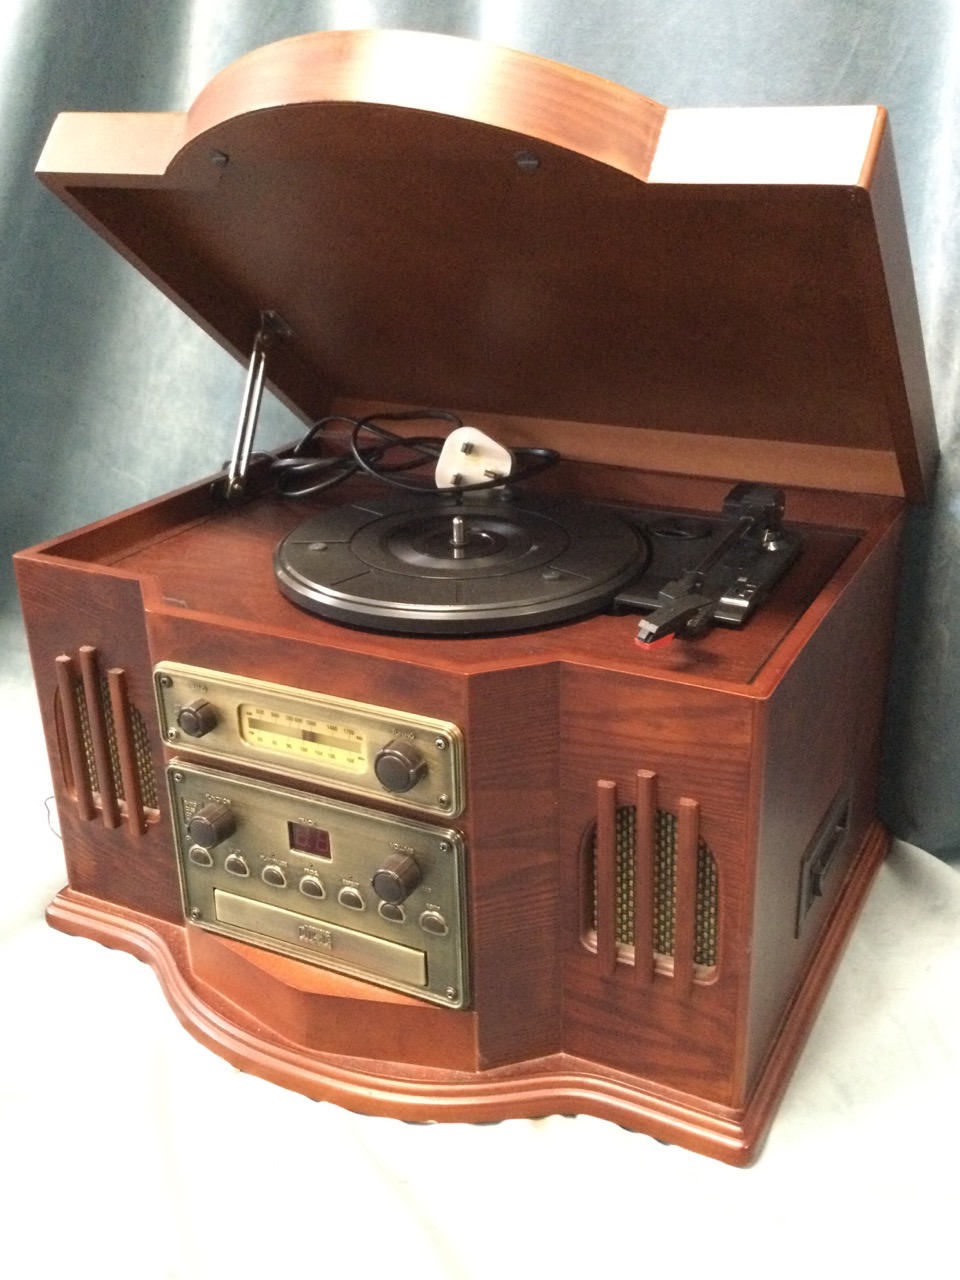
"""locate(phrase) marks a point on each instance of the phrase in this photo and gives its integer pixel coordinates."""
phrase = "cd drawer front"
(370, 894)
(402, 965)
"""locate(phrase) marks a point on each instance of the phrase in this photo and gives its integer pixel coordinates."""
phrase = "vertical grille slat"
(96, 719)
(685, 892)
(606, 859)
(126, 747)
(67, 682)
(644, 862)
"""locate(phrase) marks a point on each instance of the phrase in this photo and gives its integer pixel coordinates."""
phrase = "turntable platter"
(458, 567)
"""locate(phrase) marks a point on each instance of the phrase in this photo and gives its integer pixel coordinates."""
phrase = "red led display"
(305, 838)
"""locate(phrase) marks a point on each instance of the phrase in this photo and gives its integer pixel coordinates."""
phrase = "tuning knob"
(197, 718)
(397, 878)
(212, 824)
(399, 765)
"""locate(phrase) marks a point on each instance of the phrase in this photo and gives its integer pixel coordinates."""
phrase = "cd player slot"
(353, 950)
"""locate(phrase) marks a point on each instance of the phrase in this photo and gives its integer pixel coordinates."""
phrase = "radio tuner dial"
(396, 878)
(399, 765)
(197, 718)
(212, 824)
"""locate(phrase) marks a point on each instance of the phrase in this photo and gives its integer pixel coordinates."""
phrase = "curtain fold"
(108, 395)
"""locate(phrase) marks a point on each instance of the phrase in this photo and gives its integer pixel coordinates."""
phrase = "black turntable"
(452, 567)
(498, 561)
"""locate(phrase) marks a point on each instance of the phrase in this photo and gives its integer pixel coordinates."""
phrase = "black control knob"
(397, 878)
(197, 718)
(399, 765)
(212, 824)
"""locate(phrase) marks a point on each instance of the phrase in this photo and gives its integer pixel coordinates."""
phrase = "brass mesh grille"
(706, 930)
(138, 728)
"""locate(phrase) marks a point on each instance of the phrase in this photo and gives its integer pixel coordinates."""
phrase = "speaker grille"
(651, 894)
(664, 878)
(104, 744)
(141, 744)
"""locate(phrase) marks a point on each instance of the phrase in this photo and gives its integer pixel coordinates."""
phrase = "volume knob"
(399, 765)
(197, 718)
(212, 824)
(397, 878)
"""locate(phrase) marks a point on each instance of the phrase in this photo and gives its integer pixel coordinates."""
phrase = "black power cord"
(368, 448)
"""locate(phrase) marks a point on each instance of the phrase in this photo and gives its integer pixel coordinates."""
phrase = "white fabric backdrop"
(129, 1152)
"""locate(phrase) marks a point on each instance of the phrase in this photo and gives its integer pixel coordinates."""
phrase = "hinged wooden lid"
(448, 223)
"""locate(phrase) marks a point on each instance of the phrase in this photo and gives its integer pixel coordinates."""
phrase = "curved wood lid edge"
(751, 156)
(422, 71)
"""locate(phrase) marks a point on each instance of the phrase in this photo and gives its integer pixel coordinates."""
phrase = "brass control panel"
(374, 895)
(414, 761)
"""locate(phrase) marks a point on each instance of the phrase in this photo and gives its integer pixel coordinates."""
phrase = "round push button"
(274, 876)
(311, 887)
(236, 865)
(350, 897)
(433, 922)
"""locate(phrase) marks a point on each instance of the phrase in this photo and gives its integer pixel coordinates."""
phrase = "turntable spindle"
(458, 539)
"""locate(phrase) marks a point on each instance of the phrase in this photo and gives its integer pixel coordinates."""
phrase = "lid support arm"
(271, 326)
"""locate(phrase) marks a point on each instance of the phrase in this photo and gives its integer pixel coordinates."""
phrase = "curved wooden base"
(560, 1083)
